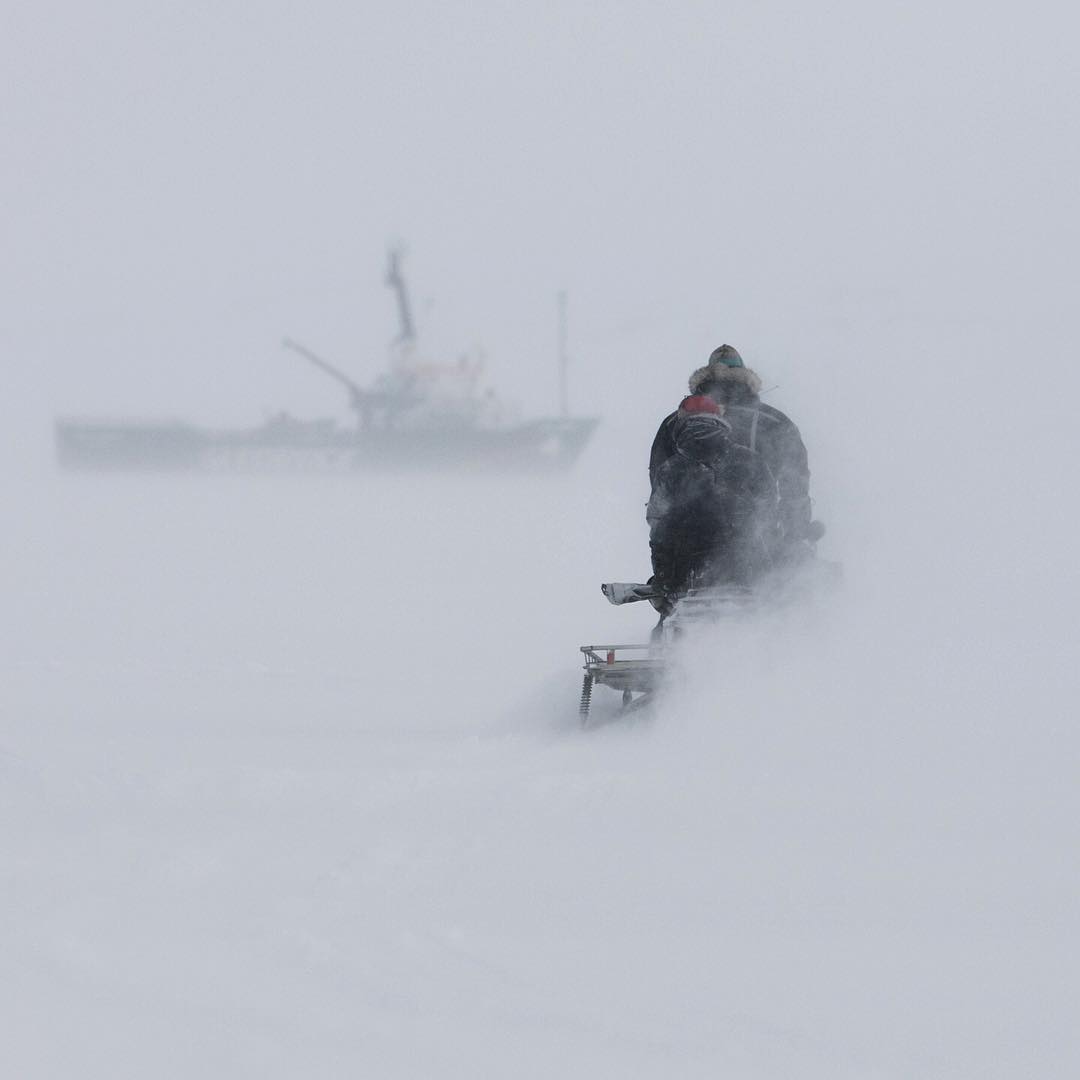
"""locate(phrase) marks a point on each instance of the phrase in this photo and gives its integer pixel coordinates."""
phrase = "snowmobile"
(637, 671)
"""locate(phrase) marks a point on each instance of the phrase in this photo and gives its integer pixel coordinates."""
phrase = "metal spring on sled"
(586, 698)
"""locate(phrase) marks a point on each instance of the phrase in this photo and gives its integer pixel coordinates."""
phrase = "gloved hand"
(662, 603)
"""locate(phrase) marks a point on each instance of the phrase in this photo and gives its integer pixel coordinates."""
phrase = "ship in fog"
(417, 414)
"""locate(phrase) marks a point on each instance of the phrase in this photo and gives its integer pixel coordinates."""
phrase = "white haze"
(290, 782)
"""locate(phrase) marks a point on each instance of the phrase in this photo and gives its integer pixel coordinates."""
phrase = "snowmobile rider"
(713, 513)
(762, 430)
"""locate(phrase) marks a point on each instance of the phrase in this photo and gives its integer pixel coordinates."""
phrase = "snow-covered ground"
(292, 786)
(291, 783)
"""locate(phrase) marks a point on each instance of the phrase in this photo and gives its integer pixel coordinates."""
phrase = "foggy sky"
(187, 183)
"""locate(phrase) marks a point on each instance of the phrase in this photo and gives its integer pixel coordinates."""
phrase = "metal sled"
(636, 671)
(626, 668)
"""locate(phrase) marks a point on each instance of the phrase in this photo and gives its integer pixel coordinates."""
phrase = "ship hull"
(548, 444)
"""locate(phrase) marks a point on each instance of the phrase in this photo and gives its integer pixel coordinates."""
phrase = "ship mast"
(407, 334)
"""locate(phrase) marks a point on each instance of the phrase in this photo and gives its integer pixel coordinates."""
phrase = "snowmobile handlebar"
(625, 592)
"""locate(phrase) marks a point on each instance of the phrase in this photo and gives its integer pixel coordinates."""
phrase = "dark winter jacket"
(713, 509)
(761, 429)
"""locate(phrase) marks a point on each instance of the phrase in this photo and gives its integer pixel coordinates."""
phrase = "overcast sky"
(184, 183)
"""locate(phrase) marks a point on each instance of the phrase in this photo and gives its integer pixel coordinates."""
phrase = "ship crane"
(365, 403)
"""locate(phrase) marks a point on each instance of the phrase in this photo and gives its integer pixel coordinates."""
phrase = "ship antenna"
(564, 361)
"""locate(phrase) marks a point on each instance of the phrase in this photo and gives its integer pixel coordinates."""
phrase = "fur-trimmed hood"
(716, 373)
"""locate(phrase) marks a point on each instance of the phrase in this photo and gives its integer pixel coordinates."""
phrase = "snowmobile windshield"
(701, 436)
